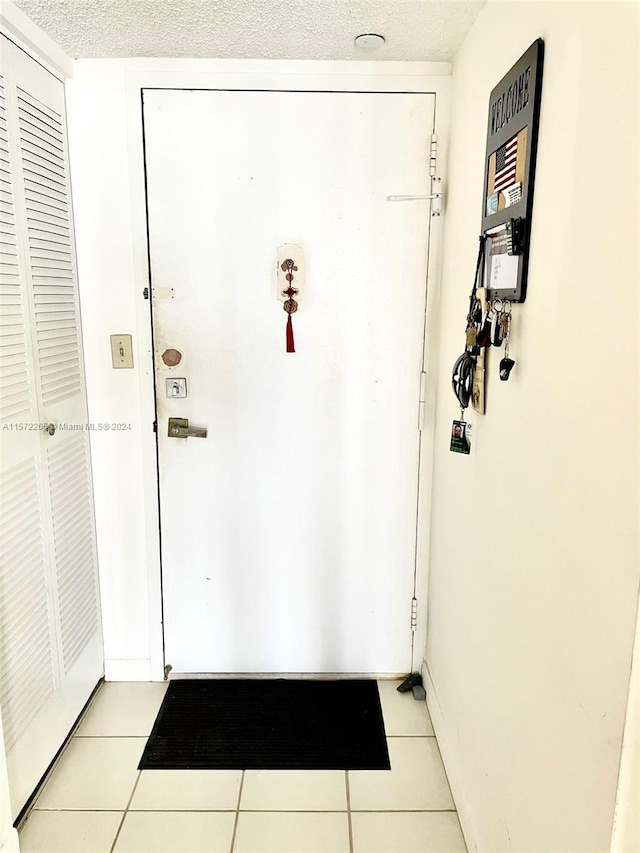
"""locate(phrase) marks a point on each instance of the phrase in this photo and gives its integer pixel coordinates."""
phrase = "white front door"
(289, 532)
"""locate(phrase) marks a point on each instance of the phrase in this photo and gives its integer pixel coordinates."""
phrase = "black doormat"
(268, 724)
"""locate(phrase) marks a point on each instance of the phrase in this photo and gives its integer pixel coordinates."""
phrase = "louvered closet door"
(50, 640)
(29, 688)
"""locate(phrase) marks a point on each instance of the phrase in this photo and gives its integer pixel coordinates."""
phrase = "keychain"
(506, 363)
(484, 336)
(467, 376)
(477, 391)
(497, 326)
(471, 333)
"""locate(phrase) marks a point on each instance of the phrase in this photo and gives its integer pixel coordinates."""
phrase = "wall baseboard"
(10, 843)
(449, 759)
(134, 669)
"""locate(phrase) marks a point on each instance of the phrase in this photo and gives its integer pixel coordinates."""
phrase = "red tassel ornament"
(290, 305)
(290, 342)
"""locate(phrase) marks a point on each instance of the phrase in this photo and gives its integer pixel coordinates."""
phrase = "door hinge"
(423, 394)
(414, 614)
(145, 293)
(433, 155)
(436, 182)
(435, 196)
(155, 426)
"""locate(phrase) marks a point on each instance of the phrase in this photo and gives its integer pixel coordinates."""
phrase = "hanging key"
(497, 329)
(506, 364)
(484, 337)
(472, 336)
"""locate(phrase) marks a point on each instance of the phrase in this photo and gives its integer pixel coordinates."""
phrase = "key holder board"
(512, 141)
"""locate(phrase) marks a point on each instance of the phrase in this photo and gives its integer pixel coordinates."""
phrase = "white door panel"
(288, 535)
(50, 640)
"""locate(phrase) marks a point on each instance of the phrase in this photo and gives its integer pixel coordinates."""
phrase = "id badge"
(460, 437)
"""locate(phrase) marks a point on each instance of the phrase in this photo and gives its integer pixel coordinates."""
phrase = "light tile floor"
(97, 801)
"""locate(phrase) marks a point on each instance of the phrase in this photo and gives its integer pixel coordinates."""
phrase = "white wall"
(534, 558)
(98, 147)
(105, 139)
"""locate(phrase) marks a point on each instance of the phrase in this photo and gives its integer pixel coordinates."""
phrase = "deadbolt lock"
(179, 428)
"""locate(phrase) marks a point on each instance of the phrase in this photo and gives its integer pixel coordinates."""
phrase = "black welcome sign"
(512, 141)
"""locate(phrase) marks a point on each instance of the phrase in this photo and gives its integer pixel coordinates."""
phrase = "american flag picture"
(506, 159)
(506, 170)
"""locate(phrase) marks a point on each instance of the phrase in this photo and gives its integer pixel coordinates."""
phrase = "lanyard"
(463, 369)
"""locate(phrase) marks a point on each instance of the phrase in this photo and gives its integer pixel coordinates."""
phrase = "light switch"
(176, 387)
(121, 351)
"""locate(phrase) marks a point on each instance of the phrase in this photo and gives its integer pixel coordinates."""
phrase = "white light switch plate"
(121, 351)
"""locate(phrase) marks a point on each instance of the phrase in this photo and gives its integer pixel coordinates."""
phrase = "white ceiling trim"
(28, 36)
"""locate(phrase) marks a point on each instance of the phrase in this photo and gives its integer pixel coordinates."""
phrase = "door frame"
(270, 75)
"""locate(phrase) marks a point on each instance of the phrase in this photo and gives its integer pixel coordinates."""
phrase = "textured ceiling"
(255, 29)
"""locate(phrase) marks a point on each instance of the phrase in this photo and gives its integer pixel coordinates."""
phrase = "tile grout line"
(235, 823)
(250, 811)
(405, 811)
(147, 811)
(346, 779)
(126, 811)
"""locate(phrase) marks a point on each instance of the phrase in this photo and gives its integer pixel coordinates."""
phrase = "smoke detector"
(369, 41)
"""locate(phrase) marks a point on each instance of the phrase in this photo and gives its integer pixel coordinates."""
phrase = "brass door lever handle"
(179, 428)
